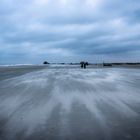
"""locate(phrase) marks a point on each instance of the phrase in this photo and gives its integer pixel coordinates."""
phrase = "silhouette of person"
(85, 65)
(82, 64)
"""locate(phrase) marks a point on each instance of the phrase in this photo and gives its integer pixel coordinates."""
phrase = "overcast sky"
(32, 31)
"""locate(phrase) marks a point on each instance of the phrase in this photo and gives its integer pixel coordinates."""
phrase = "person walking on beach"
(85, 65)
(82, 64)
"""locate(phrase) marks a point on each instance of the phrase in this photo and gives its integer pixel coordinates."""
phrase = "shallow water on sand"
(71, 104)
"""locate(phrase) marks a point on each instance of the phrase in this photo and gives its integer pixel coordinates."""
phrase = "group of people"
(83, 64)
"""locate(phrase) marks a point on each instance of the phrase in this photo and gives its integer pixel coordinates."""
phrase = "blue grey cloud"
(95, 30)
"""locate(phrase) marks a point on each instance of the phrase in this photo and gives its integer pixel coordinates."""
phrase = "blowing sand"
(64, 103)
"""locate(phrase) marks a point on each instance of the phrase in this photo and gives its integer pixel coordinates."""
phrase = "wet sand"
(13, 71)
(69, 103)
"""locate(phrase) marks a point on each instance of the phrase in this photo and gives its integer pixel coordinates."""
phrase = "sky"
(32, 31)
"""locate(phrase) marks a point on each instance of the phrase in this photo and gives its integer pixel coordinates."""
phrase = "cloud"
(38, 29)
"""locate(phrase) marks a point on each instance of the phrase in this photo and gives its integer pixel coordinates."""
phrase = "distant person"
(85, 65)
(82, 64)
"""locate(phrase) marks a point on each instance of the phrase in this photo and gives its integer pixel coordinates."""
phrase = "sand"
(69, 103)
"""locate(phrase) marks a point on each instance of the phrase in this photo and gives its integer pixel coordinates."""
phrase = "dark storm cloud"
(39, 29)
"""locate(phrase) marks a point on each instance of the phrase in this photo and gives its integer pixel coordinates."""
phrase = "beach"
(65, 102)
